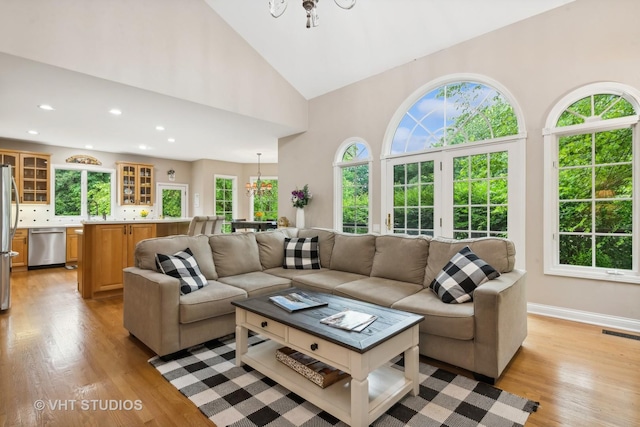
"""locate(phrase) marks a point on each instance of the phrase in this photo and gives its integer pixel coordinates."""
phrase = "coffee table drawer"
(314, 345)
(267, 325)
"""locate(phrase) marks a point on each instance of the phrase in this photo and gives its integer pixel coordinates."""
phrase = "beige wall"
(180, 48)
(538, 60)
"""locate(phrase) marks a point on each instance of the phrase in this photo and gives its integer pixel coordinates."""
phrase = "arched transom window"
(455, 113)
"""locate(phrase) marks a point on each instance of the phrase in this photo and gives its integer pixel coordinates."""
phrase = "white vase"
(300, 217)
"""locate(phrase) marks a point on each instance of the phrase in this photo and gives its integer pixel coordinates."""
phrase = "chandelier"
(277, 8)
(258, 187)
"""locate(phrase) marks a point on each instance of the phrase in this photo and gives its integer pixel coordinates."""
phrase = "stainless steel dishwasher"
(47, 247)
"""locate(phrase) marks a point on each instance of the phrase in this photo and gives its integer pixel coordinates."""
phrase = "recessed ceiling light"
(46, 107)
(160, 128)
(142, 147)
(115, 111)
(88, 147)
(33, 132)
(171, 140)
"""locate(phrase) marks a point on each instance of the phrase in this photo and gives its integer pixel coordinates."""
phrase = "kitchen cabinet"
(72, 245)
(12, 158)
(107, 250)
(34, 178)
(31, 172)
(20, 244)
(135, 184)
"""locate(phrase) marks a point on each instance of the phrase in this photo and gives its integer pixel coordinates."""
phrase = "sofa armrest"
(500, 310)
(151, 309)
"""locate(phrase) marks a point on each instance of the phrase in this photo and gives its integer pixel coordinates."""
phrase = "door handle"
(387, 222)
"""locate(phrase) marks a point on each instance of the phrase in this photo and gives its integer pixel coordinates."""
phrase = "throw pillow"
(301, 253)
(182, 265)
(464, 272)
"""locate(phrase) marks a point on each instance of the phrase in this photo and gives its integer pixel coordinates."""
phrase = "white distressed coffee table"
(374, 385)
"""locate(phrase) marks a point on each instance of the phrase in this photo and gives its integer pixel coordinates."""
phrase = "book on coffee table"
(350, 320)
(296, 301)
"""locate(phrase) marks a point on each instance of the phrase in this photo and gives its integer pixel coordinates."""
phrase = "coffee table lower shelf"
(386, 384)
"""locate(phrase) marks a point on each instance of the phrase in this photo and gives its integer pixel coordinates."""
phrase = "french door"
(459, 193)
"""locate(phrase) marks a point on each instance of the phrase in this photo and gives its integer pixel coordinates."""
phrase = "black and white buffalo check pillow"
(464, 272)
(182, 265)
(301, 254)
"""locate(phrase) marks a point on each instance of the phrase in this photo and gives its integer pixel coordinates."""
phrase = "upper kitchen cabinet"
(34, 173)
(31, 172)
(11, 158)
(135, 183)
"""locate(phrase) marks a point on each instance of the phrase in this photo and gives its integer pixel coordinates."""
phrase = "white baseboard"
(585, 317)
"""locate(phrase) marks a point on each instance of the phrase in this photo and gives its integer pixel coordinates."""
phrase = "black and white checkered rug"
(232, 396)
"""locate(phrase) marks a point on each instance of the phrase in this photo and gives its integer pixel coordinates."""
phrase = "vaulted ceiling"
(347, 46)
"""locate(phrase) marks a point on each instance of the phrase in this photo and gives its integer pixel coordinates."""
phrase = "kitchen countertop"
(137, 221)
(100, 221)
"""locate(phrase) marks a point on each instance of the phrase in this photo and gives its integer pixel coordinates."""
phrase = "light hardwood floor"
(63, 350)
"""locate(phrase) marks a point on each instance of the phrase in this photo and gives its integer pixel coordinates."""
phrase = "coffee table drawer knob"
(263, 324)
(314, 347)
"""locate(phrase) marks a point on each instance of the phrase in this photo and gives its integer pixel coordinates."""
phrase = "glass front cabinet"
(35, 178)
(135, 183)
(31, 172)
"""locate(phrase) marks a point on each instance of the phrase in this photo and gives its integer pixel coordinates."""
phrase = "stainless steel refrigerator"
(7, 231)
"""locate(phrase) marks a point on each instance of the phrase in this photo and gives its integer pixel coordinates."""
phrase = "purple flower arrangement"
(301, 198)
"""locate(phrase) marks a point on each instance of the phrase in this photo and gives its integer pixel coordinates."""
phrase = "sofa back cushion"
(235, 253)
(326, 241)
(353, 253)
(497, 252)
(401, 258)
(146, 250)
(271, 248)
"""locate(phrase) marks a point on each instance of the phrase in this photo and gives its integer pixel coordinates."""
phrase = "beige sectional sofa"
(395, 271)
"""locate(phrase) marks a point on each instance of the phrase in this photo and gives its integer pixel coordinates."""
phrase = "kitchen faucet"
(89, 203)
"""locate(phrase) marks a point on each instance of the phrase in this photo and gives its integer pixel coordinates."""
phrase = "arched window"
(454, 162)
(455, 113)
(352, 183)
(590, 186)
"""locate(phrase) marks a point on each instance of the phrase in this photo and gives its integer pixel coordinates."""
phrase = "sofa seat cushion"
(353, 253)
(146, 250)
(291, 273)
(497, 252)
(408, 252)
(377, 290)
(257, 283)
(235, 253)
(270, 246)
(326, 240)
(325, 281)
(211, 301)
(446, 320)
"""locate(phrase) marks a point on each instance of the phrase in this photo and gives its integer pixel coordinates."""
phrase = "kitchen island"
(105, 248)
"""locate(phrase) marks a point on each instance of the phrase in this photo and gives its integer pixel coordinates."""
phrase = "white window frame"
(338, 165)
(184, 188)
(234, 194)
(551, 135)
(514, 144)
(84, 213)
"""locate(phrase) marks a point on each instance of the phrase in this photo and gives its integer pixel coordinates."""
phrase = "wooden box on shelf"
(315, 371)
